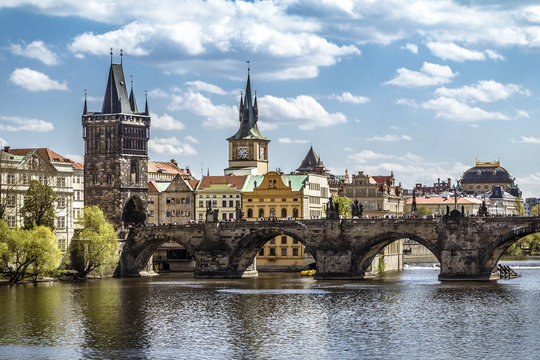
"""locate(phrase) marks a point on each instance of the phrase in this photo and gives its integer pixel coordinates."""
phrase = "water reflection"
(400, 315)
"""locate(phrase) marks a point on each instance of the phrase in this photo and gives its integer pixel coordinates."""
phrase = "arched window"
(283, 213)
(261, 213)
(250, 213)
(272, 212)
(295, 212)
(274, 183)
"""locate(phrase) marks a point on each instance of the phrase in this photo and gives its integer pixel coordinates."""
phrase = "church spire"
(146, 112)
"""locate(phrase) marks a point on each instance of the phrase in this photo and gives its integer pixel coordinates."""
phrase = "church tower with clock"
(248, 148)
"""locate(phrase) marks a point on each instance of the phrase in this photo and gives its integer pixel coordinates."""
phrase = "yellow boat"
(308, 272)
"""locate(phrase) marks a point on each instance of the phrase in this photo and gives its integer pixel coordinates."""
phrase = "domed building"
(485, 176)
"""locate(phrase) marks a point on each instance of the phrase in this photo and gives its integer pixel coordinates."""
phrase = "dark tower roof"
(132, 102)
(116, 99)
(311, 162)
(248, 116)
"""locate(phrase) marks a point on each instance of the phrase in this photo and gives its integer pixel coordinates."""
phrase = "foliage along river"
(403, 315)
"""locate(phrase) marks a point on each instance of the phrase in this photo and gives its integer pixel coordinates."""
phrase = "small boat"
(308, 272)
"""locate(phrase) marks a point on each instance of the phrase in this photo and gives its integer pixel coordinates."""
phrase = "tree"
(344, 205)
(38, 206)
(27, 253)
(96, 244)
(422, 210)
(518, 204)
(530, 244)
(536, 210)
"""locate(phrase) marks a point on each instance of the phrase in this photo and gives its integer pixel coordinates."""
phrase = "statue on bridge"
(483, 210)
(357, 209)
(332, 209)
(211, 215)
(239, 212)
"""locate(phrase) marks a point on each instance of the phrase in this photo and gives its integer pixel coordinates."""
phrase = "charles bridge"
(468, 248)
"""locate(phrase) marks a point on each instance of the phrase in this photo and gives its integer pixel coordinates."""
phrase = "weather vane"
(111, 55)
(248, 64)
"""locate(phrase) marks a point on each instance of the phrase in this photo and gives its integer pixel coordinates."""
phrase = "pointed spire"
(146, 112)
(116, 99)
(85, 110)
(255, 101)
(111, 55)
(132, 102)
(121, 56)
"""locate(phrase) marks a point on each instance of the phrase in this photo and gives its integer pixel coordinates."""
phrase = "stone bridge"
(468, 248)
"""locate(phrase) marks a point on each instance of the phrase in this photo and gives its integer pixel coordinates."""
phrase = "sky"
(421, 88)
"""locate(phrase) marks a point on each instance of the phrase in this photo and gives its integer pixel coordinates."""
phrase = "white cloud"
(529, 140)
(32, 80)
(523, 113)
(35, 50)
(192, 139)
(302, 110)
(291, 141)
(365, 156)
(348, 149)
(452, 109)
(429, 75)
(483, 91)
(347, 97)
(170, 146)
(216, 116)
(24, 124)
(206, 87)
(389, 138)
(451, 51)
(411, 47)
(407, 102)
(166, 122)
(493, 55)
(158, 94)
(529, 184)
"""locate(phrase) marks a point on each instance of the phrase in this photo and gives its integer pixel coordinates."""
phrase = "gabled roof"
(297, 182)
(311, 161)
(152, 187)
(47, 154)
(236, 182)
(166, 167)
(381, 180)
(116, 98)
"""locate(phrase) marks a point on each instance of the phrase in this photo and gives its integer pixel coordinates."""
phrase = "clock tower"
(248, 148)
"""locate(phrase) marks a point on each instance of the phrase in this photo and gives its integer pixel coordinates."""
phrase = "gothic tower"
(116, 154)
(248, 148)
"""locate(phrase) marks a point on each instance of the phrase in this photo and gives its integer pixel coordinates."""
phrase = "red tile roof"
(382, 179)
(166, 167)
(152, 187)
(45, 152)
(434, 200)
(78, 165)
(235, 181)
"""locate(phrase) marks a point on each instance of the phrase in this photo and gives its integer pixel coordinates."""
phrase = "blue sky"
(419, 88)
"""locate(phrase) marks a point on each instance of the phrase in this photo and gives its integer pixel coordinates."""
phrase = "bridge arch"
(133, 212)
(362, 257)
(503, 242)
(247, 248)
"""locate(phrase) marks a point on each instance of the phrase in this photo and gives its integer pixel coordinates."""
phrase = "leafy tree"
(422, 210)
(96, 244)
(38, 206)
(27, 253)
(344, 205)
(518, 204)
(535, 210)
(530, 242)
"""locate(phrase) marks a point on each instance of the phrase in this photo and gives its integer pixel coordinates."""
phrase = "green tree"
(518, 204)
(530, 244)
(422, 210)
(96, 244)
(344, 205)
(536, 210)
(38, 206)
(27, 253)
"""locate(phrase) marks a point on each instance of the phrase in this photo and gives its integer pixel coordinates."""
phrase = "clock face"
(261, 153)
(243, 153)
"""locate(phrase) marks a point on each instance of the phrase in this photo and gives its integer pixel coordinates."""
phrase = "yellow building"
(222, 193)
(281, 197)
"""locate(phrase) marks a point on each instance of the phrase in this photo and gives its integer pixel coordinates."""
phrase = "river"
(401, 315)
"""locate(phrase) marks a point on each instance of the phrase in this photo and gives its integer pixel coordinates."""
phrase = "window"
(224, 216)
(295, 251)
(224, 203)
(62, 244)
(109, 179)
(283, 213)
(188, 200)
(250, 200)
(295, 241)
(201, 203)
(61, 201)
(250, 213)
(25, 179)
(11, 179)
(11, 200)
(272, 212)
(261, 252)
(283, 251)
(295, 212)
(261, 213)
(272, 252)
(60, 181)
(283, 240)
(283, 200)
(94, 179)
(231, 203)
(214, 203)
(61, 222)
(11, 221)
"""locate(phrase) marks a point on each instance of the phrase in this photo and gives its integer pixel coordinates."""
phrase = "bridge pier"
(217, 264)
(464, 265)
(336, 264)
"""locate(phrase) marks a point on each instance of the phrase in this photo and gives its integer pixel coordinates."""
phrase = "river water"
(402, 315)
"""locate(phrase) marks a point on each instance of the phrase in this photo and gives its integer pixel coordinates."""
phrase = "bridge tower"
(248, 148)
(116, 153)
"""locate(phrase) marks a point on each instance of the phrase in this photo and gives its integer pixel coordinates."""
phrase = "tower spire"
(111, 55)
(85, 110)
(132, 102)
(146, 112)
(122, 57)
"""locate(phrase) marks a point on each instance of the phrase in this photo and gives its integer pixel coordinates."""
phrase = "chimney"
(449, 183)
(438, 184)
(6, 149)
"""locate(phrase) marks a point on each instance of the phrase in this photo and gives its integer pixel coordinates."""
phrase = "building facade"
(116, 153)
(379, 195)
(221, 193)
(19, 166)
